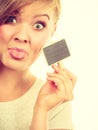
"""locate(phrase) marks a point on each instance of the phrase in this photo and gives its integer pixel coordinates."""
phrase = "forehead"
(37, 7)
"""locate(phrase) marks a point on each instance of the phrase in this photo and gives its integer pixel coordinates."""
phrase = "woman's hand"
(57, 89)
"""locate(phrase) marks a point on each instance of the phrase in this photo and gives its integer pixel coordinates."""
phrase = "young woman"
(27, 103)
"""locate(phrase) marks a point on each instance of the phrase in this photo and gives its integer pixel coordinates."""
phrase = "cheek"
(39, 42)
(2, 34)
(5, 34)
(37, 46)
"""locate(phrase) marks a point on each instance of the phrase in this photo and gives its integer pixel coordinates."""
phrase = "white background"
(79, 26)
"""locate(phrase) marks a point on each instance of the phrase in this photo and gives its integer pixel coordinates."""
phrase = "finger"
(61, 65)
(58, 79)
(72, 77)
(55, 67)
(64, 87)
(58, 66)
(58, 76)
(61, 76)
(60, 69)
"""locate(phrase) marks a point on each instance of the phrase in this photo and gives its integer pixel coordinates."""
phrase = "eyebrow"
(40, 15)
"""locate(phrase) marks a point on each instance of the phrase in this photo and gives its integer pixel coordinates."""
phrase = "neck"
(13, 83)
(10, 77)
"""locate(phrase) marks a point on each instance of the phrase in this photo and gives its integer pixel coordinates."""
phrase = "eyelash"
(11, 19)
(39, 24)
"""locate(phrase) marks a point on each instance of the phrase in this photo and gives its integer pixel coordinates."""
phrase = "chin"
(16, 66)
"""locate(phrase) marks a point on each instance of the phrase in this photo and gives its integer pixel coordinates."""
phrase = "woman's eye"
(11, 19)
(39, 25)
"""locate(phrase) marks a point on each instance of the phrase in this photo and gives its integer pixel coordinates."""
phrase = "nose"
(22, 34)
(21, 40)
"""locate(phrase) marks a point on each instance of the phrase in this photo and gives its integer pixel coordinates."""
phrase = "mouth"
(17, 53)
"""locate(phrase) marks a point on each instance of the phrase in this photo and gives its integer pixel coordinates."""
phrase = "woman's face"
(24, 34)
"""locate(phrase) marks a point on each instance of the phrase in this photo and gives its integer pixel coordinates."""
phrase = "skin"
(24, 31)
(30, 35)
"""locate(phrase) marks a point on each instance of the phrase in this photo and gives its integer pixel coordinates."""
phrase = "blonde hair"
(7, 7)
